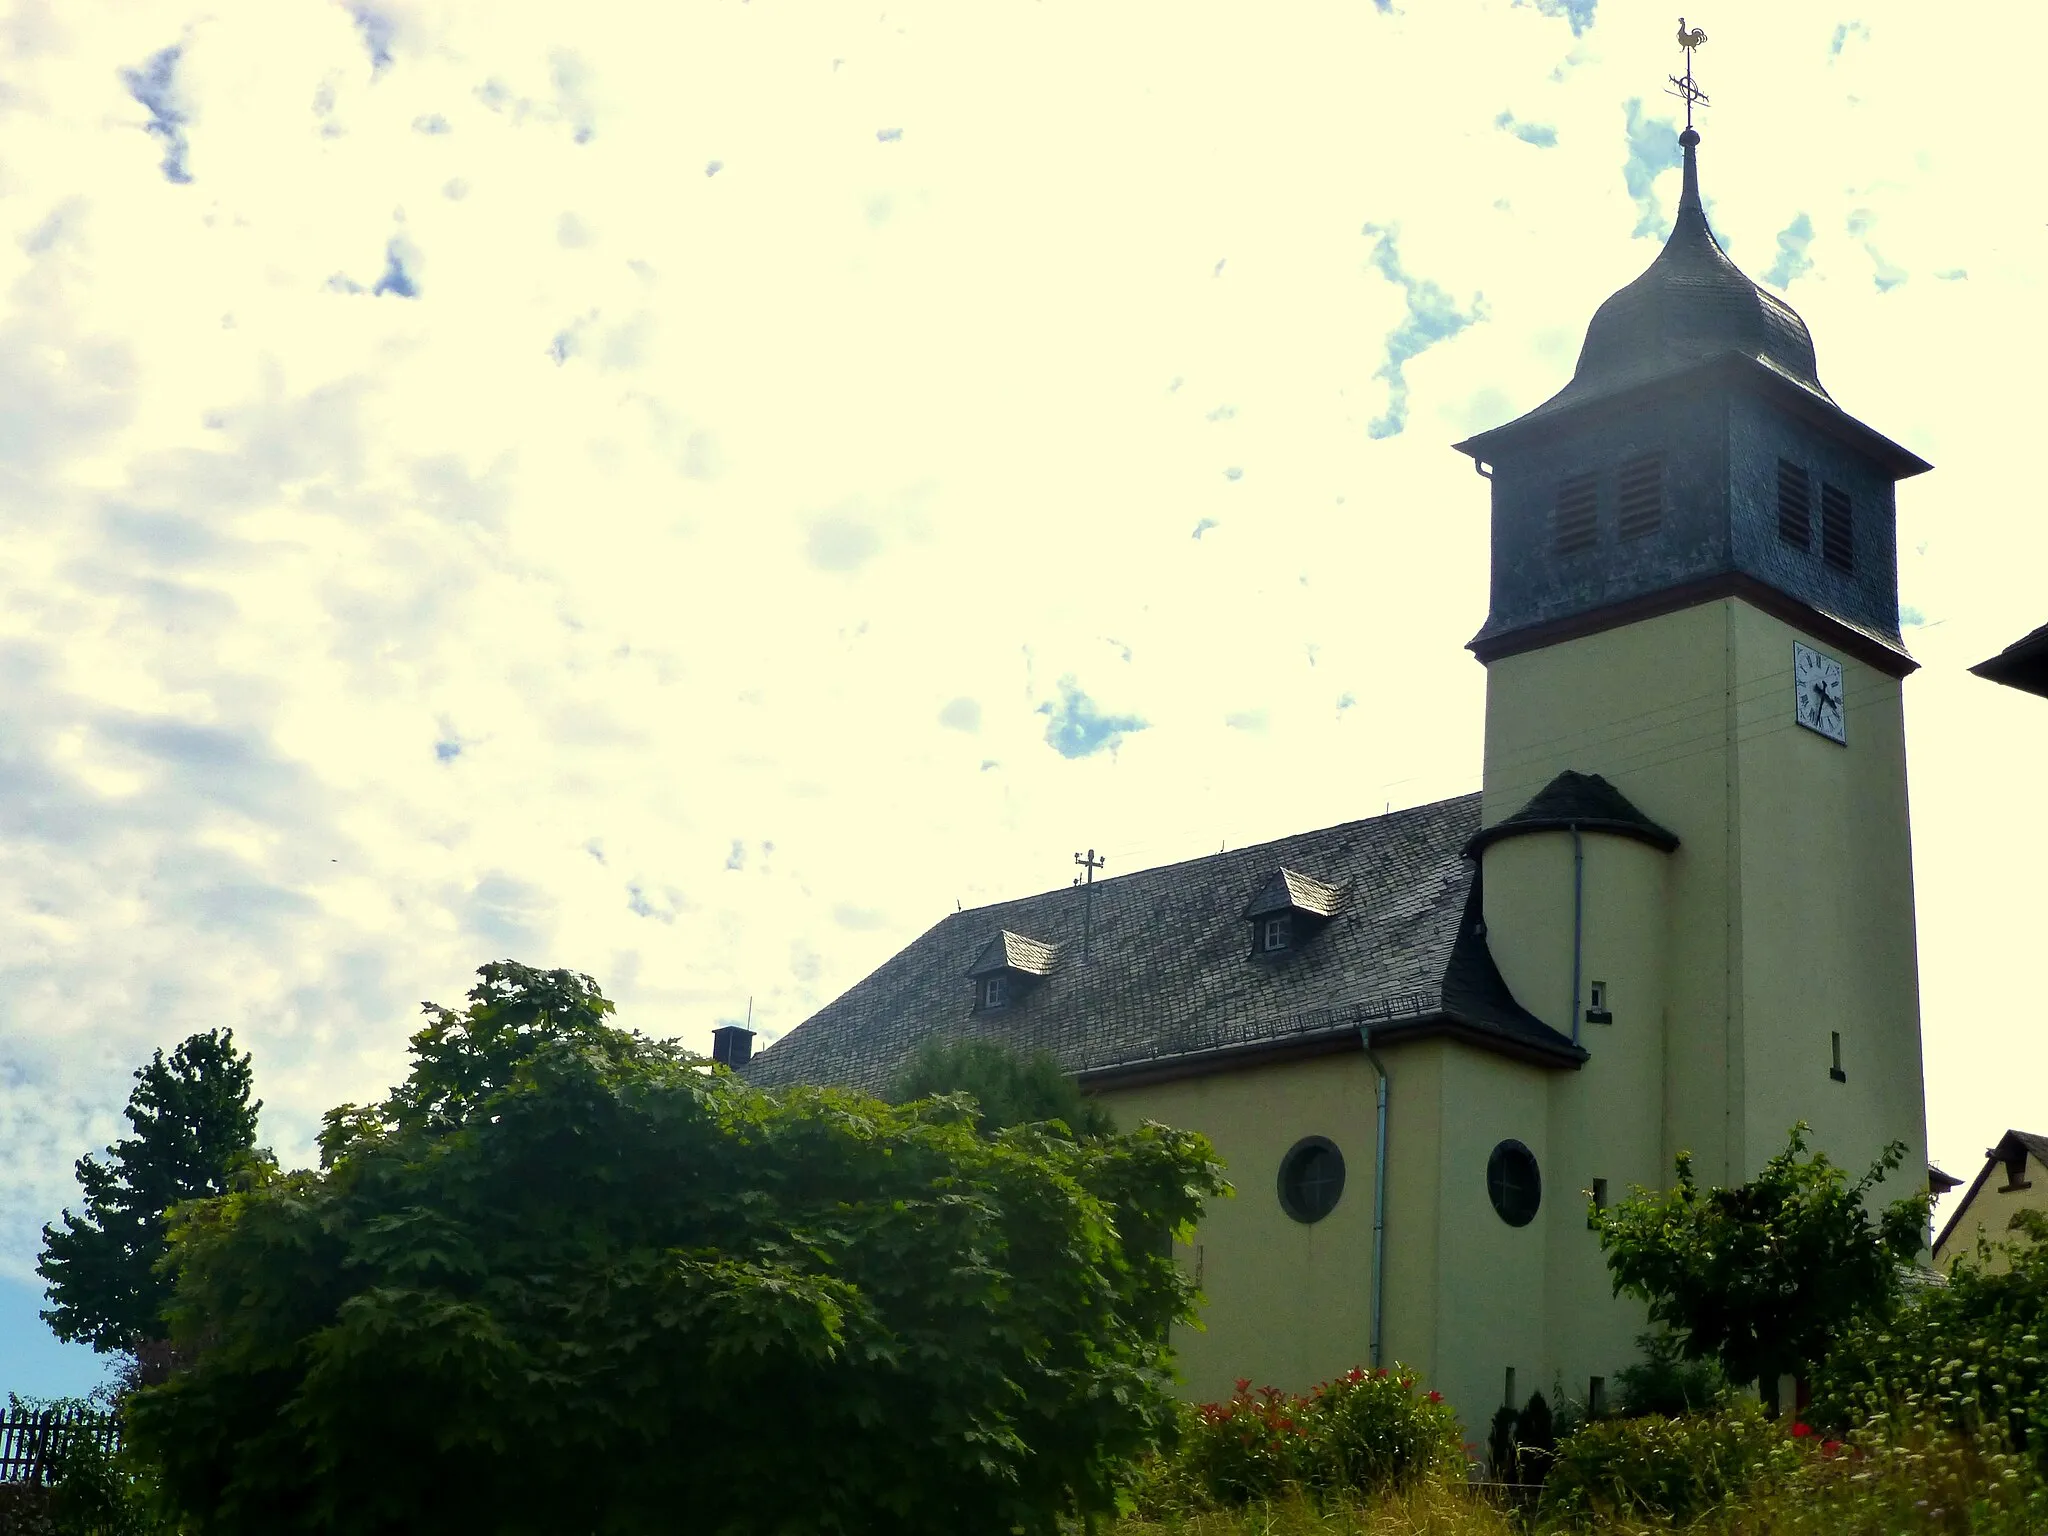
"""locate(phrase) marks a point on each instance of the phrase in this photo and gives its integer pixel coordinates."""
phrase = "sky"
(691, 493)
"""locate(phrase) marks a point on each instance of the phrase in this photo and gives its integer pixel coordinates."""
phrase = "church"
(1678, 915)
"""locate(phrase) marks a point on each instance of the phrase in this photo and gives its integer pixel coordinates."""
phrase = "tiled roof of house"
(1168, 975)
(2022, 665)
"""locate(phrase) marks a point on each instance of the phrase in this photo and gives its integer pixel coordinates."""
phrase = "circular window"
(1513, 1184)
(1311, 1178)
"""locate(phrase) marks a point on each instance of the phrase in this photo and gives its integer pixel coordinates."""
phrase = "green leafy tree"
(1764, 1276)
(568, 1278)
(195, 1125)
(1008, 1089)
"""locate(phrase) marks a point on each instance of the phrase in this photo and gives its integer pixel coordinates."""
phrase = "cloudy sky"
(692, 492)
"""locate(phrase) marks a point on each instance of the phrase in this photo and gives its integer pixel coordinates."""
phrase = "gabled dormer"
(1009, 966)
(1289, 910)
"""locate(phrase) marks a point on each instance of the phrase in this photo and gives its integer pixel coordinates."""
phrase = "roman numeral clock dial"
(1817, 693)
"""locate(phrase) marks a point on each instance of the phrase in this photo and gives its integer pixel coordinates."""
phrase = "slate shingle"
(1169, 977)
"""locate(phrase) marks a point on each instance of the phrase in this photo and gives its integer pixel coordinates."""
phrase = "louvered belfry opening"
(1837, 529)
(1795, 505)
(1575, 525)
(1639, 504)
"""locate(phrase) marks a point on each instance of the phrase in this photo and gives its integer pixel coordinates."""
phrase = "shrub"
(1969, 1354)
(1665, 1382)
(1674, 1468)
(1367, 1431)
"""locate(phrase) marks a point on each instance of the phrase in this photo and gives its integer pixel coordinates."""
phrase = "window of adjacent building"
(1837, 528)
(995, 991)
(1835, 1071)
(1599, 1204)
(1276, 933)
(1639, 503)
(1513, 1183)
(1795, 505)
(1575, 522)
(1311, 1178)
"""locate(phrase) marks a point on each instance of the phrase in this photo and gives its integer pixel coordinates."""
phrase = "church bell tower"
(1694, 597)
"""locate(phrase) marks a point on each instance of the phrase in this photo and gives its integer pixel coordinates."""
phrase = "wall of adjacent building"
(1989, 1215)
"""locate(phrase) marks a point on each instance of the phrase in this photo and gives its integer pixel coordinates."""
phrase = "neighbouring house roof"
(2010, 1146)
(2022, 665)
(1582, 800)
(1165, 983)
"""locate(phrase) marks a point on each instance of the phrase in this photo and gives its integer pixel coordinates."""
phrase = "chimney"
(732, 1045)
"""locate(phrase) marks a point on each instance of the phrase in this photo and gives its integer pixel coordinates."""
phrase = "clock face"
(1817, 693)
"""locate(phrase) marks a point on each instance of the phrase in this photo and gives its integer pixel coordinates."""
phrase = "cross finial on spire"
(1684, 86)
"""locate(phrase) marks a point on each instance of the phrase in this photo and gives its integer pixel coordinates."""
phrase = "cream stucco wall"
(1989, 1215)
(1286, 1302)
(1785, 917)
(1789, 915)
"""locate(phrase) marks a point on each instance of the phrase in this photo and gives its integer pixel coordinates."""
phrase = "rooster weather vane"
(1683, 85)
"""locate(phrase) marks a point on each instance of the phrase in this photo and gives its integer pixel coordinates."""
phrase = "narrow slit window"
(1575, 523)
(1837, 529)
(1599, 1204)
(1795, 505)
(1835, 1071)
(1639, 506)
(1596, 1397)
(1510, 1388)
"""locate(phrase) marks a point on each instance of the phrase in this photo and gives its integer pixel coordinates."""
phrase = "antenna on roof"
(1684, 86)
(1086, 881)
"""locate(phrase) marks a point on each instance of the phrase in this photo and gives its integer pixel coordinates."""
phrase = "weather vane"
(1684, 86)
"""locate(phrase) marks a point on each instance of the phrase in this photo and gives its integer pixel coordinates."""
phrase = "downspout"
(1379, 1196)
(1578, 922)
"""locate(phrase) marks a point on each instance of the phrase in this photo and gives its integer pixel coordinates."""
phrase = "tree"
(1764, 1276)
(568, 1278)
(1008, 1089)
(195, 1125)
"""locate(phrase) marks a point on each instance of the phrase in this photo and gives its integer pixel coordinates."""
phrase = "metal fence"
(33, 1440)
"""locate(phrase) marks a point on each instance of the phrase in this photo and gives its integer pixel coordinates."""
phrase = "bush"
(1365, 1432)
(1665, 1382)
(1968, 1354)
(1674, 1468)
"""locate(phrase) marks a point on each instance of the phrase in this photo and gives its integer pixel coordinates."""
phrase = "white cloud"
(602, 603)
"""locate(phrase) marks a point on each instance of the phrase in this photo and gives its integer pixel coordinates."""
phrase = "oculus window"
(1311, 1178)
(1513, 1183)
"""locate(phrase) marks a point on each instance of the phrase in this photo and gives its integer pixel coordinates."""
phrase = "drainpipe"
(1379, 1197)
(1578, 922)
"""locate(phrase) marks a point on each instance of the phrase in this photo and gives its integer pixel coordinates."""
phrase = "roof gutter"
(1376, 1348)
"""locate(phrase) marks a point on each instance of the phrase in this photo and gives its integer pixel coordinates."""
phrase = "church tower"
(1695, 598)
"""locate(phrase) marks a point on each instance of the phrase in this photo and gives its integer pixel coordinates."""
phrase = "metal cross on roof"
(1091, 864)
(1684, 86)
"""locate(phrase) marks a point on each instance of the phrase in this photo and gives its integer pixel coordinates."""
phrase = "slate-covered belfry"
(1673, 918)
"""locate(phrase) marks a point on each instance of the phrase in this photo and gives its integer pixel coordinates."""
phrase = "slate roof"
(2022, 665)
(1582, 800)
(1009, 951)
(1693, 307)
(1168, 981)
(1291, 891)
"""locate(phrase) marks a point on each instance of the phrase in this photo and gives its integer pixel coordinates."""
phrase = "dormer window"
(1009, 966)
(1289, 909)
